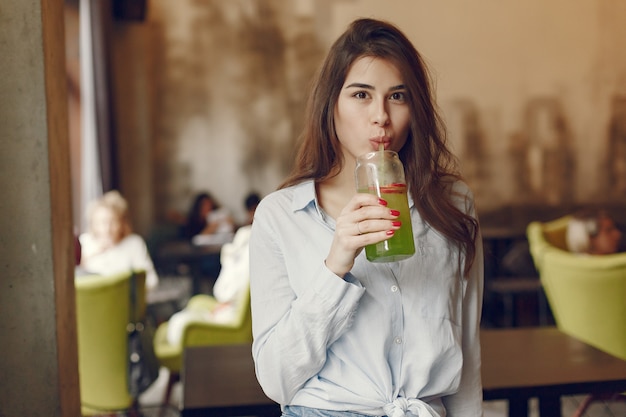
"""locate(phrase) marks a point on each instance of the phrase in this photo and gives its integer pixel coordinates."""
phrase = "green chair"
(103, 312)
(587, 293)
(202, 333)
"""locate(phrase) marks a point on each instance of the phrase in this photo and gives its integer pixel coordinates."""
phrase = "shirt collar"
(303, 195)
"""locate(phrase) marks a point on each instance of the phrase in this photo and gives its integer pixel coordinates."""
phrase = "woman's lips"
(376, 142)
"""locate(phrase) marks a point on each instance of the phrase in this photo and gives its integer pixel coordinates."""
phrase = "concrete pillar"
(38, 359)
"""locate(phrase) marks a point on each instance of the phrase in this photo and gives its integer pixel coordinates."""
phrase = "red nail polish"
(396, 223)
(394, 212)
(390, 232)
(382, 202)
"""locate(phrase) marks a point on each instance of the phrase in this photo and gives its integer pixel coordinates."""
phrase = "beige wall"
(561, 61)
(534, 92)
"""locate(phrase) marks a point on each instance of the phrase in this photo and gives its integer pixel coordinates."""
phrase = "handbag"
(143, 365)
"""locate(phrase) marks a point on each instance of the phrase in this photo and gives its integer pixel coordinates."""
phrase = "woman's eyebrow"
(360, 85)
(370, 87)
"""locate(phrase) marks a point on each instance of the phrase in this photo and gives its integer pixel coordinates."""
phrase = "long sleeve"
(292, 327)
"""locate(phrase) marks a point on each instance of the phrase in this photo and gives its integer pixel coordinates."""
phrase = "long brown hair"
(430, 166)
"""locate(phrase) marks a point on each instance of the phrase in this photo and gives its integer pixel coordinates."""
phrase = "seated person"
(251, 202)
(592, 232)
(208, 222)
(109, 246)
(77, 250)
(234, 277)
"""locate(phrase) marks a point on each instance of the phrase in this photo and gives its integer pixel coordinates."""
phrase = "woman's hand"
(364, 220)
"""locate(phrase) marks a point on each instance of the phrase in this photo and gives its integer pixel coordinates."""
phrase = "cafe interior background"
(210, 95)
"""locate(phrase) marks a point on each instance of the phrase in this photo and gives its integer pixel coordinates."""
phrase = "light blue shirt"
(392, 339)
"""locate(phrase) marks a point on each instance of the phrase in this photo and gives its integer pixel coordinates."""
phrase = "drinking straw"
(381, 149)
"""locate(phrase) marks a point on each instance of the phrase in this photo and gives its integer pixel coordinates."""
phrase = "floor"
(153, 397)
(568, 404)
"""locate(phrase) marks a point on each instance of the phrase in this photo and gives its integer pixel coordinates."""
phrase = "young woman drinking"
(335, 334)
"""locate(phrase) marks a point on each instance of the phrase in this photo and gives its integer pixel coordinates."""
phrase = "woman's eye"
(360, 95)
(398, 96)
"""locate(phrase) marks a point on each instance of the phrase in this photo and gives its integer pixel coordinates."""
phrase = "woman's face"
(106, 226)
(606, 241)
(372, 108)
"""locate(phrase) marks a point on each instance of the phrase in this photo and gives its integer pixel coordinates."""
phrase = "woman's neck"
(334, 193)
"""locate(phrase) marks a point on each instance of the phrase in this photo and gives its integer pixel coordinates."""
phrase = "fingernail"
(396, 223)
(390, 232)
(394, 212)
(382, 202)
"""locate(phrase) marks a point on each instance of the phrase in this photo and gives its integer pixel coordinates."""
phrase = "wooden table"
(517, 364)
(220, 381)
(542, 362)
(184, 252)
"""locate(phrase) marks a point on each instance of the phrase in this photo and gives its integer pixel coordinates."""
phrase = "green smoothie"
(401, 245)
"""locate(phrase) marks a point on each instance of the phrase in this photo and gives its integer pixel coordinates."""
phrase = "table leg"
(519, 407)
(196, 277)
(550, 406)
(510, 309)
(205, 268)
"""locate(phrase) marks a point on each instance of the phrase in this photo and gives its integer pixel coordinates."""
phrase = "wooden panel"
(61, 205)
(220, 376)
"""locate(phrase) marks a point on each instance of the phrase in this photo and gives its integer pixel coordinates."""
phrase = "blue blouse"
(394, 339)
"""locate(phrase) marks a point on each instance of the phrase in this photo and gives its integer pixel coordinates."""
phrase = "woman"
(109, 246)
(333, 333)
(207, 218)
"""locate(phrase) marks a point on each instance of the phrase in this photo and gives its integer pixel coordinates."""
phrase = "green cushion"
(202, 333)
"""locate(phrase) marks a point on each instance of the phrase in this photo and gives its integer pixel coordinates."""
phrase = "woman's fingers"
(367, 213)
(375, 225)
(365, 220)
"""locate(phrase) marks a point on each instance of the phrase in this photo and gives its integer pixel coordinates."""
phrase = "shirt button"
(397, 340)
(394, 288)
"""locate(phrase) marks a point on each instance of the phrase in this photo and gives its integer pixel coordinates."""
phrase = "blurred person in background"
(109, 246)
(206, 217)
(593, 232)
(251, 202)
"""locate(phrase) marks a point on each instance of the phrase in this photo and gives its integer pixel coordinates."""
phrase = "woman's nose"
(380, 116)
